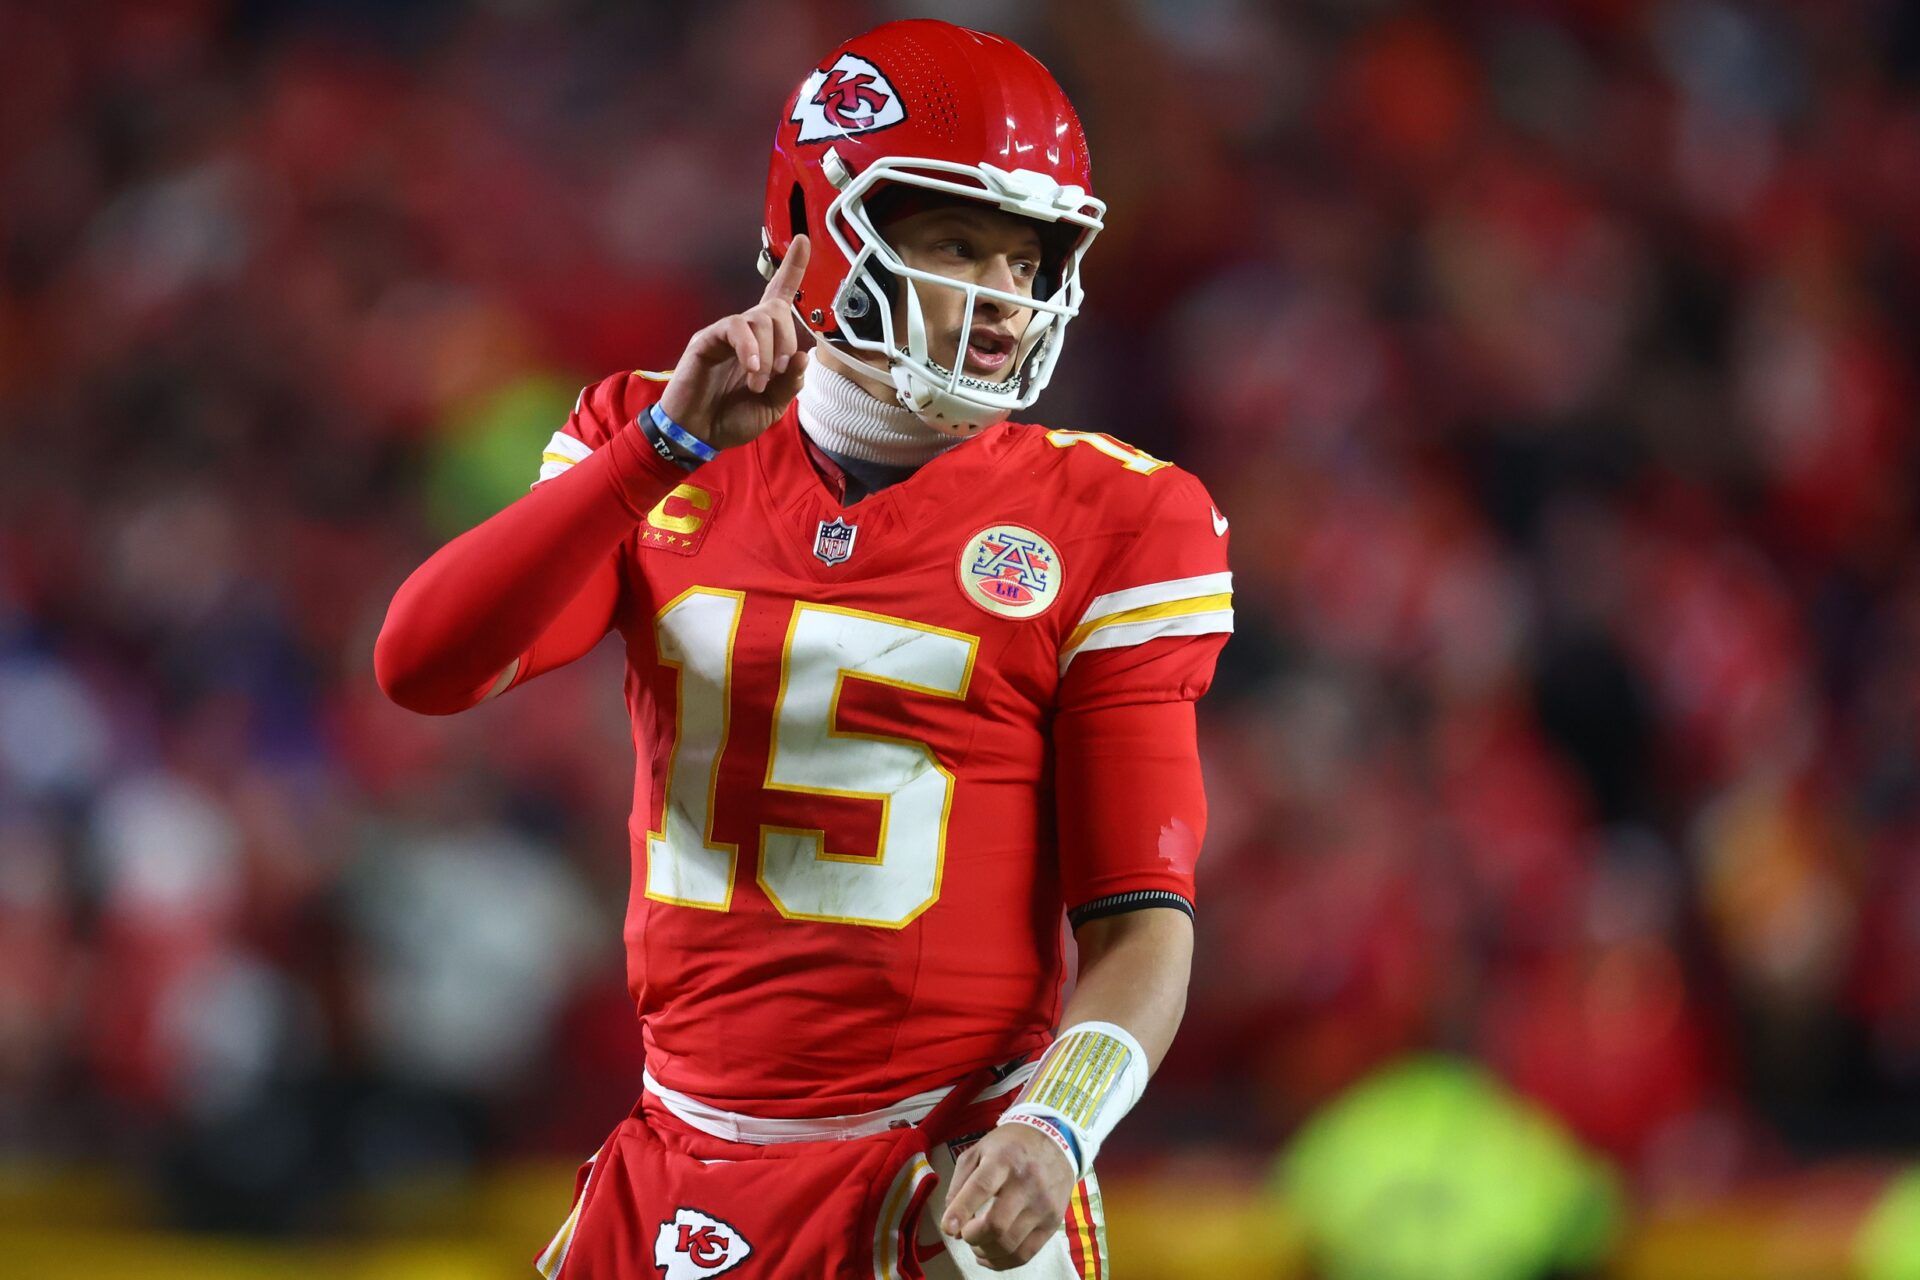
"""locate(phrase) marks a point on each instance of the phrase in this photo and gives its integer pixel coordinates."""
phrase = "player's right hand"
(739, 374)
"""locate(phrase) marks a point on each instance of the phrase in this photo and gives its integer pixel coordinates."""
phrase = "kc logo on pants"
(694, 1245)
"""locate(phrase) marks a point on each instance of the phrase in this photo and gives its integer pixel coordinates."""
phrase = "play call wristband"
(1085, 1083)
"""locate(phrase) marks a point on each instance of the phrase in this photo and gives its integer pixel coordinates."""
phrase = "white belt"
(735, 1127)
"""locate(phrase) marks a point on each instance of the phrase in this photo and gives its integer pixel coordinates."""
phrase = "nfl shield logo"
(834, 542)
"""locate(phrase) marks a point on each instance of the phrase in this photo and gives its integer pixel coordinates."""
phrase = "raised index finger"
(786, 278)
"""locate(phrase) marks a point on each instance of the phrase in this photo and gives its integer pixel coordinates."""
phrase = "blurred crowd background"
(1552, 358)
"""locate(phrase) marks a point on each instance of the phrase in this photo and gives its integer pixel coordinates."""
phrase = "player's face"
(979, 245)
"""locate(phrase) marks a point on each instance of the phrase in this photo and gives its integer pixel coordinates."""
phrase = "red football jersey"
(845, 881)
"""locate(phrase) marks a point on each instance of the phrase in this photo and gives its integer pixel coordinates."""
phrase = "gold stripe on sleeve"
(1149, 612)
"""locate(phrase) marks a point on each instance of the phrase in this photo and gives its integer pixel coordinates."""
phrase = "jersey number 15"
(811, 755)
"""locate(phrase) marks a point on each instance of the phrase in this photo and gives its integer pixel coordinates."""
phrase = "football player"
(908, 682)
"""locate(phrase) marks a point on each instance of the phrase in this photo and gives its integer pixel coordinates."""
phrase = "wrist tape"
(1085, 1083)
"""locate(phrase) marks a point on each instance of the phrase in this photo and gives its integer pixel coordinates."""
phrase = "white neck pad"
(844, 418)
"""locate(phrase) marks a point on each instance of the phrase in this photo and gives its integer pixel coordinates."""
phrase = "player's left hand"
(1009, 1196)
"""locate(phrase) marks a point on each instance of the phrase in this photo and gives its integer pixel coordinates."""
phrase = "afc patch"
(694, 1244)
(1010, 571)
(834, 543)
(679, 521)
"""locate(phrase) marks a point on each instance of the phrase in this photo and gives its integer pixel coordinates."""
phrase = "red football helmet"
(963, 113)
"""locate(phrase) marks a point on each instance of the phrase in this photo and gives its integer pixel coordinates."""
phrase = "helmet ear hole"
(1057, 242)
(797, 210)
(860, 313)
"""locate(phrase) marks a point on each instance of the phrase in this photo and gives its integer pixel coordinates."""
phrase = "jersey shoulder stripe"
(562, 451)
(601, 409)
(1193, 606)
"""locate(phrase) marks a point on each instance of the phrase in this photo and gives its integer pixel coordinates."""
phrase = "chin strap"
(844, 418)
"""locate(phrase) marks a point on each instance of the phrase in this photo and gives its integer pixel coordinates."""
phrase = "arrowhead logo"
(694, 1245)
(851, 96)
(1219, 524)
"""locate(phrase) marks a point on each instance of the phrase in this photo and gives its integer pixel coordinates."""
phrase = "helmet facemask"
(934, 384)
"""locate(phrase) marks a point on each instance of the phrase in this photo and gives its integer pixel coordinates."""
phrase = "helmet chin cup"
(920, 396)
(939, 408)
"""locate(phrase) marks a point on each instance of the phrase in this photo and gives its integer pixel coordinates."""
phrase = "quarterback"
(909, 683)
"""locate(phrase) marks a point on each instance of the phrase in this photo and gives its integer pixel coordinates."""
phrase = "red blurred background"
(1553, 358)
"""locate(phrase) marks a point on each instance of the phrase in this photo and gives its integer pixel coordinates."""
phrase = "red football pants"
(663, 1201)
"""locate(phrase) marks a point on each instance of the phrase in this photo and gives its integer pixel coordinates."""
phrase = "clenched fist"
(1010, 1193)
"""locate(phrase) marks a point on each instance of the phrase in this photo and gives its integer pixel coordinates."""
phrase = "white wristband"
(1088, 1080)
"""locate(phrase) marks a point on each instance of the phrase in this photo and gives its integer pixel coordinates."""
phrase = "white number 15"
(810, 755)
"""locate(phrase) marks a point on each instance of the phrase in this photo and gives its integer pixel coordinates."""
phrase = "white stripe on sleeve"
(1122, 634)
(1207, 584)
(561, 452)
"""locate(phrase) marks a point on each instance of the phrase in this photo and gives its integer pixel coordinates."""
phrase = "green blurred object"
(1433, 1170)
(487, 451)
(1888, 1246)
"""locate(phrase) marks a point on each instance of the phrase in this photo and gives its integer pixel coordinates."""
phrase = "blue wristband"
(679, 435)
(1072, 1141)
(1053, 1126)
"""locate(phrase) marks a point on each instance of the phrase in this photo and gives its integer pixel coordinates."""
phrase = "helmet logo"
(851, 96)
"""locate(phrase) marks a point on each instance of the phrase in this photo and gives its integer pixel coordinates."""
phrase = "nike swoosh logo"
(1219, 524)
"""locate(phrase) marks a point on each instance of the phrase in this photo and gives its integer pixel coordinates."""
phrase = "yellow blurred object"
(1174, 1228)
(40, 1196)
(1802, 1227)
(1430, 1169)
(1887, 1246)
(1209, 1223)
(134, 1255)
(88, 1225)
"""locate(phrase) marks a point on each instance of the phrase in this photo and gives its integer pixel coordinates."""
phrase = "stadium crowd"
(1552, 359)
